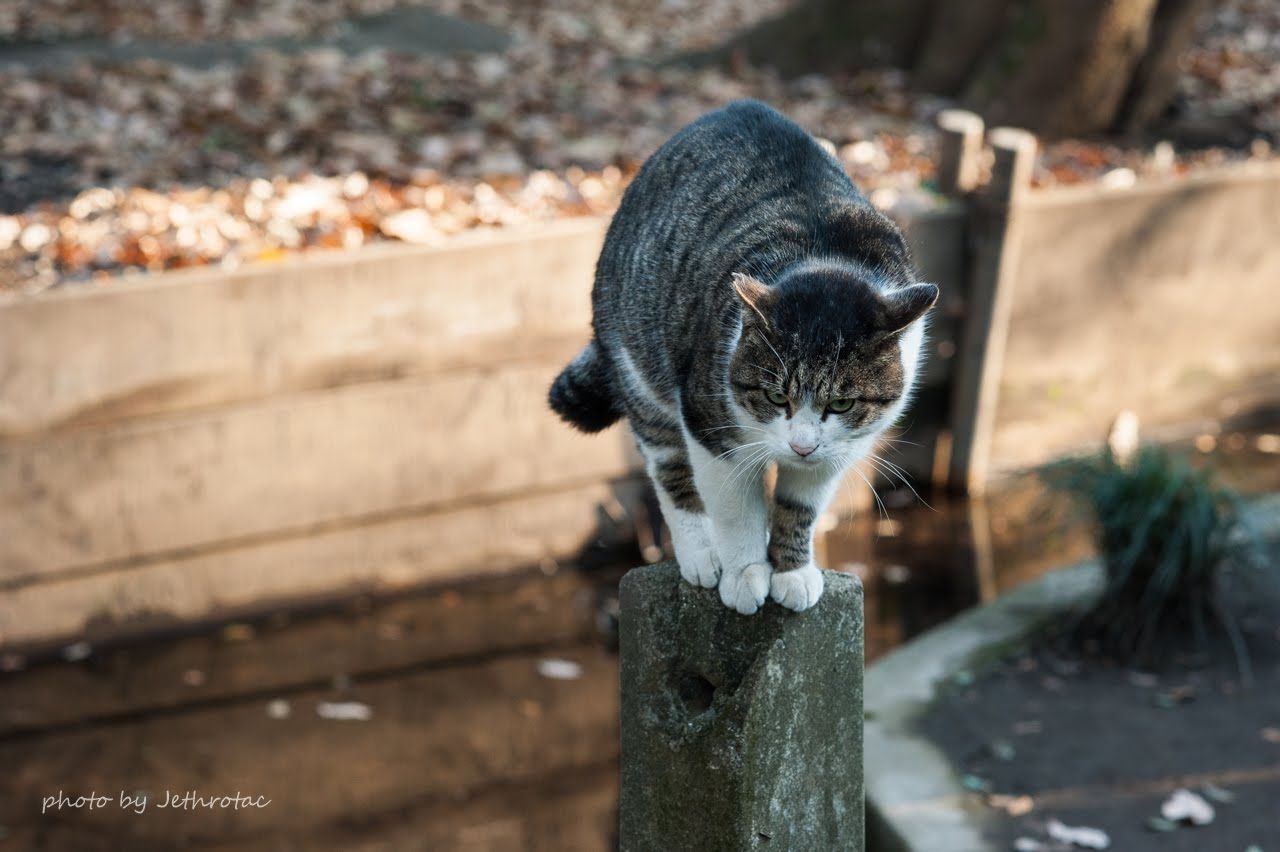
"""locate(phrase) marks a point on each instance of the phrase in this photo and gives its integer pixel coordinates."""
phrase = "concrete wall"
(1163, 299)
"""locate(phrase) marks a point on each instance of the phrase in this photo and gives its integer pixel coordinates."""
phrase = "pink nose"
(803, 449)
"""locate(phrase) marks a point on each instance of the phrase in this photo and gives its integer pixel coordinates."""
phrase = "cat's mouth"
(794, 459)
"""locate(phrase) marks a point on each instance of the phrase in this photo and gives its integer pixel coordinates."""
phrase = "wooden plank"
(960, 157)
(434, 738)
(1158, 187)
(306, 650)
(937, 240)
(1161, 301)
(97, 497)
(94, 496)
(996, 228)
(195, 338)
(397, 553)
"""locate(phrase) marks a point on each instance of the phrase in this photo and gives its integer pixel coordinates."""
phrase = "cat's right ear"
(753, 293)
(905, 306)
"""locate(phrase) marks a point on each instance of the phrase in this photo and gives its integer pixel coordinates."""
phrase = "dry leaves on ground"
(147, 165)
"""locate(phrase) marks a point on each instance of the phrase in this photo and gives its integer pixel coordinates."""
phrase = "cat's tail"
(583, 394)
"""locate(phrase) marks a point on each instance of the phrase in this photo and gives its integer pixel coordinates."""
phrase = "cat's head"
(825, 361)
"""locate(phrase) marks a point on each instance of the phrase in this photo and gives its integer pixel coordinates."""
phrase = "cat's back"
(746, 147)
(742, 189)
(740, 180)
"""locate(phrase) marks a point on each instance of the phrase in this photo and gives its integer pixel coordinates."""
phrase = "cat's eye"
(840, 406)
(776, 397)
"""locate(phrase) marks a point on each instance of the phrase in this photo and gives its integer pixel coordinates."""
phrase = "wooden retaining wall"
(200, 444)
(1160, 299)
(194, 444)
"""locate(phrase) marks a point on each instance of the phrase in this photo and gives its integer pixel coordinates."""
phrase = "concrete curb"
(915, 801)
(914, 797)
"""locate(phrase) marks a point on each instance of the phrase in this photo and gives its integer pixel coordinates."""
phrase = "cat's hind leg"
(668, 466)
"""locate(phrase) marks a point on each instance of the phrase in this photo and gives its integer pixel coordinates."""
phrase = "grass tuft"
(1167, 534)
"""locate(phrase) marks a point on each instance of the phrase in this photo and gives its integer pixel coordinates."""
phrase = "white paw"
(699, 566)
(744, 589)
(798, 589)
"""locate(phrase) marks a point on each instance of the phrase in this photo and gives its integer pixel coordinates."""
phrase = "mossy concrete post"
(739, 732)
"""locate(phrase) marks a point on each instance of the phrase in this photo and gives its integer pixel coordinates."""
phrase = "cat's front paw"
(699, 566)
(797, 589)
(745, 589)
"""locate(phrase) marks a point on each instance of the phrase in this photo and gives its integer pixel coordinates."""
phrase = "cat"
(751, 308)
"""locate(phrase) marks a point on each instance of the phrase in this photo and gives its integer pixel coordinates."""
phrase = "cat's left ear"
(905, 306)
(754, 294)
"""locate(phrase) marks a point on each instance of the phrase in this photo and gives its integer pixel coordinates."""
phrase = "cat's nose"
(802, 450)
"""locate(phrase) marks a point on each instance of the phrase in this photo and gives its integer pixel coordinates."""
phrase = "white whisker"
(740, 447)
(884, 513)
(745, 468)
(892, 471)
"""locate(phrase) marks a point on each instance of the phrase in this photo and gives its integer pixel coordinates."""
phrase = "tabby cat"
(751, 308)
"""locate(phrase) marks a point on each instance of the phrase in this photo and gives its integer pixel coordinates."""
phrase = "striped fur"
(750, 309)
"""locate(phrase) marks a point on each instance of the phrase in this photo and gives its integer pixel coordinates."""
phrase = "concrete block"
(739, 732)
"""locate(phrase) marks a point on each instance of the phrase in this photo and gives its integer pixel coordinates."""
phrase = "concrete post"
(739, 732)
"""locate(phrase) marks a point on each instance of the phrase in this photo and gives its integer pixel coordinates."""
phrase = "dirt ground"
(170, 134)
(1097, 744)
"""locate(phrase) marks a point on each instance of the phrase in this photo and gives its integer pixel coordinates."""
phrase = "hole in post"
(695, 691)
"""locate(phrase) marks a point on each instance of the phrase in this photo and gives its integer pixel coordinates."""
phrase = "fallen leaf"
(412, 226)
(1002, 750)
(1082, 836)
(1012, 805)
(12, 662)
(77, 651)
(1217, 794)
(344, 711)
(1186, 806)
(559, 669)
(237, 633)
(1143, 680)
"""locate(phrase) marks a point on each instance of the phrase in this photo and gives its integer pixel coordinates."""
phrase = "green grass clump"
(1166, 533)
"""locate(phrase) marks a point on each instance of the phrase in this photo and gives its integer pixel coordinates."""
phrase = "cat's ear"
(905, 306)
(753, 293)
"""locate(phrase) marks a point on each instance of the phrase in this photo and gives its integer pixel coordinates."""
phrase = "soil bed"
(309, 125)
(1097, 744)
